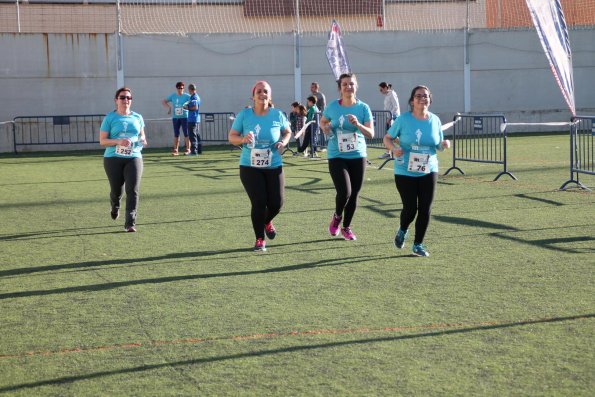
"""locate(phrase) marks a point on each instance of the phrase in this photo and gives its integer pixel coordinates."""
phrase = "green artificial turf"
(504, 306)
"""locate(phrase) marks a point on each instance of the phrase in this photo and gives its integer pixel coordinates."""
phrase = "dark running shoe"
(115, 214)
(420, 250)
(400, 238)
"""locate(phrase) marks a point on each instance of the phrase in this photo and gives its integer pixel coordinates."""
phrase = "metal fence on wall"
(36, 131)
(60, 132)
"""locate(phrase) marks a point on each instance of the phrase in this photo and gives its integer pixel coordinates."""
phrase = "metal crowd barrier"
(479, 138)
(56, 130)
(582, 150)
(381, 126)
(214, 127)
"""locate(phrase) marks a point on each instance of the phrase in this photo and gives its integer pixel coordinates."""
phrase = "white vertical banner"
(335, 53)
(549, 21)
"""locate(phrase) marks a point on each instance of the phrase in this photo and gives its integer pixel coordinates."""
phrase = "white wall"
(61, 74)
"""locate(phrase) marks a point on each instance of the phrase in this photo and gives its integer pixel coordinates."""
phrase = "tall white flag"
(335, 53)
(549, 21)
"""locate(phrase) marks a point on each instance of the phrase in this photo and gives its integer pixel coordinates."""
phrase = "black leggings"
(307, 141)
(348, 177)
(266, 189)
(417, 195)
(124, 171)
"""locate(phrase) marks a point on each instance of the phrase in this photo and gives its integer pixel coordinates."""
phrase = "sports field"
(505, 305)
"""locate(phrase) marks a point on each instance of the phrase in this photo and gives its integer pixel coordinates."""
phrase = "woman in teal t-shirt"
(122, 133)
(347, 122)
(263, 132)
(414, 138)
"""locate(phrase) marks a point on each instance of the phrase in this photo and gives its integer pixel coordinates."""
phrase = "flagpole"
(297, 73)
(467, 67)
(119, 49)
(18, 17)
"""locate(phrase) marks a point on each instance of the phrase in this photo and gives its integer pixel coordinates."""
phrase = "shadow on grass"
(77, 232)
(549, 243)
(293, 349)
(538, 199)
(131, 261)
(161, 280)
(472, 222)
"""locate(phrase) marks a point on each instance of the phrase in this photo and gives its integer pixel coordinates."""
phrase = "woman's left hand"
(280, 147)
(352, 119)
(445, 144)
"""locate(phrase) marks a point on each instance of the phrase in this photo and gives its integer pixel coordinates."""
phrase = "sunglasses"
(124, 97)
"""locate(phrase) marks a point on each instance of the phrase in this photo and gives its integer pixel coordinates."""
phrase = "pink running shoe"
(260, 245)
(348, 234)
(270, 231)
(333, 227)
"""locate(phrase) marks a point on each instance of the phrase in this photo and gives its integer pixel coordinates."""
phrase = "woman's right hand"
(398, 151)
(248, 138)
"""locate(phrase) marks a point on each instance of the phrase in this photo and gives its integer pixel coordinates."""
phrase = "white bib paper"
(260, 158)
(419, 162)
(124, 150)
(347, 141)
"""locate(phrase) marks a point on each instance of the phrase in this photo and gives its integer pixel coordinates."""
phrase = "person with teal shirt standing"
(263, 132)
(122, 133)
(175, 106)
(414, 138)
(193, 106)
(347, 122)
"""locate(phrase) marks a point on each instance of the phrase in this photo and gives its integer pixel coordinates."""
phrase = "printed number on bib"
(260, 157)
(347, 141)
(179, 112)
(419, 162)
(124, 150)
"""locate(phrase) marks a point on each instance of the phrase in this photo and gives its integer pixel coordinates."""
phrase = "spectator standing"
(391, 104)
(320, 98)
(293, 117)
(414, 138)
(193, 106)
(347, 122)
(175, 106)
(299, 125)
(122, 133)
